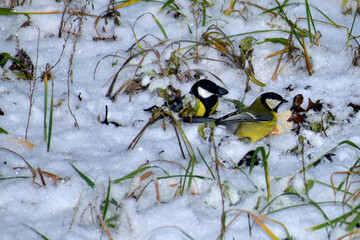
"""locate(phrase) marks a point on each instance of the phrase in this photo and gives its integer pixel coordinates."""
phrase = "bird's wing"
(235, 117)
(240, 116)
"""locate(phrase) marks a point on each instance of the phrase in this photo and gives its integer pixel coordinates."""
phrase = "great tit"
(206, 95)
(253, 122)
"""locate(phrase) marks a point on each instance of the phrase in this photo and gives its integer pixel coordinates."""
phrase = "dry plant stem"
(138, 136)
(76, 210)
(217, 164)
(347, 185)
(303, 165)
(349, 235)
(332, 24)
(103, 225)
(286, 49)
(256, 218)
(32, 86)
(156, 183)
(111, 88)
(41, 176)
(307, 61)
(179, 141)
(98, 63)
(70, 71)
(323, 125)
(258, 6)
(142, 39)
(32, 170)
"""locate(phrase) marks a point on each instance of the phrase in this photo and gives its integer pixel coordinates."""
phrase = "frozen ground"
(100, 151)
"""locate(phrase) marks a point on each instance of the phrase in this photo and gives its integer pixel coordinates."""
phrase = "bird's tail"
(198, 119)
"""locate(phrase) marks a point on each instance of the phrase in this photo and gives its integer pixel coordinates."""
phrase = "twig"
(76, 210)
(32, 86)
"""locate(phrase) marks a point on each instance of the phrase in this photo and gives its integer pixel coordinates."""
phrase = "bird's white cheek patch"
(204, 93)
(272, 103)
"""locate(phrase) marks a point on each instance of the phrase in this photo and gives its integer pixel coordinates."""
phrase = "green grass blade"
(323, 14)
(168, 3)
(193, 160)
(106, 205)
(273, 200)
(204, 13)
(322, 213)
(8, 56)
(87, 180)
(182, 176)
(207, 165)
(45, 106)
(338, 219)
(308, 18)
(280, 7)
(51, 115)
(8, 11)
(3, 131)
(253, 78)
(344, 2)
(266, 168)
(266, 171)
(353, 223)
(353, 23)
(189, 174)
(339, 144)
(242, 170)
(160, 26)
(36, 231)
(16, 177)
(337, 189)
(131, 175)
(282, 41)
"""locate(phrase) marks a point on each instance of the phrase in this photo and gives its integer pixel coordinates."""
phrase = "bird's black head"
(272, 100)
(205, 88)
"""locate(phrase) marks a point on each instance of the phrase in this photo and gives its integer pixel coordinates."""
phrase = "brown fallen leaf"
(297, 118)
(23, 142)
(298, 100)
(355, 107)
(56, 178)
(317, 106)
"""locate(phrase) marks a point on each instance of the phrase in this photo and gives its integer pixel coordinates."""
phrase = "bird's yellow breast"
(202, 110)
(256, 130)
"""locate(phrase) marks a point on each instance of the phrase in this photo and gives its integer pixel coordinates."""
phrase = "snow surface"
(100, 151)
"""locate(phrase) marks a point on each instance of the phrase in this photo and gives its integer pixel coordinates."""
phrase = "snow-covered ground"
(69, 209)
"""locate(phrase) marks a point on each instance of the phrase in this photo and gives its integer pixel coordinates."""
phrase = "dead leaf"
(24, 143)
(53, 176)
(297, 118)
(355, 107)
(317, 106)
(298, 100)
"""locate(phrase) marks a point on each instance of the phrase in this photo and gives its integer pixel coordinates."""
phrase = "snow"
(101, 151)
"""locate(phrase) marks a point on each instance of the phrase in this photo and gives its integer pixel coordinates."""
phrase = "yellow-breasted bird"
(206, 98)
(253, 122)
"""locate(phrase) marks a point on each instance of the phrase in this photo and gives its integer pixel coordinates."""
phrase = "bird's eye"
(204, 93)
(272, 103)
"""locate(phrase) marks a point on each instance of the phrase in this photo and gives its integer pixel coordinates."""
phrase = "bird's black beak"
(284, 101)
(222, 91)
